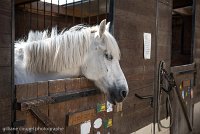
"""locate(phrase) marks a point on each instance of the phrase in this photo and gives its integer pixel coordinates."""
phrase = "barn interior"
(132, 19)
(182, 32)
(45, 14)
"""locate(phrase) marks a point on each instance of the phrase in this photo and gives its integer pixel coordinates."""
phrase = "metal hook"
(146, 97)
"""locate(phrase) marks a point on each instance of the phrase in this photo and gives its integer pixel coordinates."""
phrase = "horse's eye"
(108, 56)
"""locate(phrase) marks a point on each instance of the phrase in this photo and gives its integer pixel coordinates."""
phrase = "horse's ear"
(108, 26)
(102, 27)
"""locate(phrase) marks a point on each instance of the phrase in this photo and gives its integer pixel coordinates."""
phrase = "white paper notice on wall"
(147, 45)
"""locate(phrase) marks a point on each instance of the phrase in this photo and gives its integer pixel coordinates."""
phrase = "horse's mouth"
(113, 100)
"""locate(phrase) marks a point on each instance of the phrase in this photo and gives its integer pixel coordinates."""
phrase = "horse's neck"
(22, 76)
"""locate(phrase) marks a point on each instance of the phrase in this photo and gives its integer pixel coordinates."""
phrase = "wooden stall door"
(185, 80)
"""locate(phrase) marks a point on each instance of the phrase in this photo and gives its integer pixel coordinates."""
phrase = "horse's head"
(102, 66)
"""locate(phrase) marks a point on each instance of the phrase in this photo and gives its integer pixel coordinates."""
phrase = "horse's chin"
(111, 99)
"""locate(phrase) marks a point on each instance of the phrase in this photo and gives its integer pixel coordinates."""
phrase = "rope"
(162, 73)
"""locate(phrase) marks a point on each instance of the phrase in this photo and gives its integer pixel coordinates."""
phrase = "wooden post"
(5, 64)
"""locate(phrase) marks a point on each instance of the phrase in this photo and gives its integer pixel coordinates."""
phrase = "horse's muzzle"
(117, 95)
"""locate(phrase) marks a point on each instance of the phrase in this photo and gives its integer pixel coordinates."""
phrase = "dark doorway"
(182, 32)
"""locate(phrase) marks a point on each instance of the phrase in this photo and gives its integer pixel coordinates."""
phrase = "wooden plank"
(5, 66)
(5, 57)
(5, 40)
(24, 92)
(5, 24)
(42, 90)
(56, 86)
(5, 5)
(82, 104)
(78, 83)
(5, 80)
(132, 121)
(31, 121)
(5, 113)
(80, 117)
(57, 111)
(21, 91)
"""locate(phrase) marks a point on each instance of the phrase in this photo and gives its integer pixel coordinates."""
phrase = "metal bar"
(73, 12)
(106, 9)
(67, 96)
(81, 11)
(111, 15)
(66, 16)
(58, 13)
(27, 104)
(44, 12)
(97, 11)
(24, 14)
(89, 12)
(51, 13)
(37, 16)
(30, 15)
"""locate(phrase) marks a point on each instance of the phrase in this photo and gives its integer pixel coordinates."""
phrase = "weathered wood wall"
(197, 49)
(197, 56)
(132, 19)
(5, 63)
(180, 125)
(163, 48)
(59, 113)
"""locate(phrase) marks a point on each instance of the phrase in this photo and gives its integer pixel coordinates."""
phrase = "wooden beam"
(18, 2)
(184, 10)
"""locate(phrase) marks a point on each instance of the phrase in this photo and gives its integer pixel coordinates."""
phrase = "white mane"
(58, 52)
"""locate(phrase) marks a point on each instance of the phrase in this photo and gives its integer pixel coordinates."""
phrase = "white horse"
(89, 51)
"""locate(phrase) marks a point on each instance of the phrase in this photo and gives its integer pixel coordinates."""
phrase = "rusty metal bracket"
(43, 119)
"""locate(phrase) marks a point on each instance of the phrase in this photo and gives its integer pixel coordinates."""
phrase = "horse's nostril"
(123, 93)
